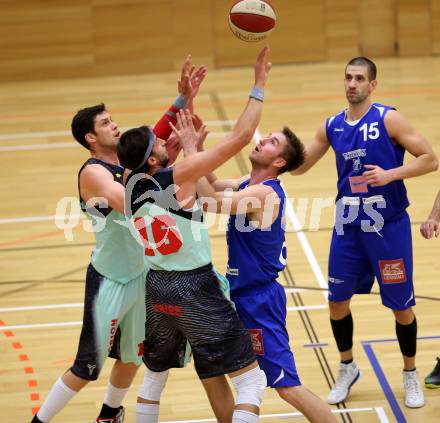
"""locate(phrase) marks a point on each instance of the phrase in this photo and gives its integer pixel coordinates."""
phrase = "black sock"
(347, 361)
(108, 412)
(36, 420)
(407, 337)
(343, 332)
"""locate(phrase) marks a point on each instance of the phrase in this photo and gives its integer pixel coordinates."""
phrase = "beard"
(356, 99)
(164, 160)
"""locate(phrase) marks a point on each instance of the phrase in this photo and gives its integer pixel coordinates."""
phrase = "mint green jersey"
(173, 238)
(117, 255)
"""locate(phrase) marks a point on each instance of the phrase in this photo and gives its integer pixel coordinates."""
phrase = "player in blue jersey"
(184, 297)
(256, 254)
(372, 234)
(430, 228)
(114, 310)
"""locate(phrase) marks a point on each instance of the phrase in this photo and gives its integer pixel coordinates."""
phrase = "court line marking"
(66, 144)
(287, 415)
(39, 218)
(80, 305)
(302, 238)
(41, 325)
(41, 307)
(380, 375)
(43, 134)
(382, 415)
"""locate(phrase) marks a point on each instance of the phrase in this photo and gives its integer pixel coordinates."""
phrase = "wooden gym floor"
(43, 267)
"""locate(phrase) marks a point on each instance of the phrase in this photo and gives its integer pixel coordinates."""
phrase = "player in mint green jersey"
(114, 308)
(184, 300)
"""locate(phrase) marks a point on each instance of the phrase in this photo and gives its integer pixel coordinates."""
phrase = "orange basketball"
(252, 20)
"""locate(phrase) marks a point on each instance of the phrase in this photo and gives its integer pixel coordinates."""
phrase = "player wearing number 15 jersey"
(372, 236)
(184, 300)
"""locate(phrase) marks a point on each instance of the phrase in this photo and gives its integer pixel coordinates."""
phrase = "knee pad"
(153, 384)
(250, 386)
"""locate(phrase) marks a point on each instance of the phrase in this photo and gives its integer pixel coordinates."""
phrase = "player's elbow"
(433, 162)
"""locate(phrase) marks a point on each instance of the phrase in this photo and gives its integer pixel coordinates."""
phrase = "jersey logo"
(358, 184)
(392, 271)
(360, 152)
(338, 130)
(257, 340)
(357, 165)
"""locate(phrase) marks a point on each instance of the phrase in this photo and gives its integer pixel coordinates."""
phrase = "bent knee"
(250, 386)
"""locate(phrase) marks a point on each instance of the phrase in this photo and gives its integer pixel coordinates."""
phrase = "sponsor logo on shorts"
(140, 349)
(169, 309)
(113, 328)
(335, 280)
(257, 340)
(91, 367)
(392, 271)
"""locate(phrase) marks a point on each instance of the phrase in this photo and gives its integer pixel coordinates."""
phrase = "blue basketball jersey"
(361, 142)
(256, 255)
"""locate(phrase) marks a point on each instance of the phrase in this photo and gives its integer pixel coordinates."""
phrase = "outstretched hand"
(262, 67)
(173, 147)
(185, 132)
(190, 78)
(201, 130)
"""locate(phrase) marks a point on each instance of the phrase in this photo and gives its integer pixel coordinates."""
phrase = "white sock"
(56, 400)
(242, 416)
(147, 413)
(114, 396)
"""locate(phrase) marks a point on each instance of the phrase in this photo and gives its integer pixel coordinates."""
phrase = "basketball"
(252, 20)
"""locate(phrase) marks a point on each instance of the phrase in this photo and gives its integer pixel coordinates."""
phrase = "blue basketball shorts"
(264, 315)
(357, 257)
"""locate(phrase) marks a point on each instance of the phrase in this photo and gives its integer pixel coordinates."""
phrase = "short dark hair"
(133, 146)
(293, 153)
(84, 122)
(364, 61)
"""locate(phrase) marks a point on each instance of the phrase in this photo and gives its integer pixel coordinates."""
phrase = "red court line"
(35, 237)
(35, 396)
(32, 383)
(301, 99)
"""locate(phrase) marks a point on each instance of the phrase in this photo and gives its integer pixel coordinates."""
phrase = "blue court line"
(315, 345)
(382, 378)
(419, 338)
(386, 388)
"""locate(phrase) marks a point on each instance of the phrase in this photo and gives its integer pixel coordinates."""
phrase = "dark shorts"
(191, 306)
(86, 364)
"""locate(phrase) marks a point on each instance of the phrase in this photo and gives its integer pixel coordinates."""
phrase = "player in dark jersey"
(114, 310)
(372, 235)
(256, 254)
(184, 300)
(430, 228)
